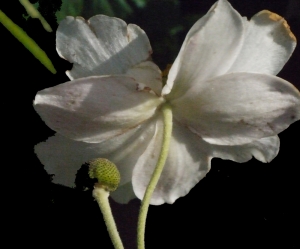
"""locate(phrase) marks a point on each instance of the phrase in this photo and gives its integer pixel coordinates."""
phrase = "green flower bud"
(105, 172)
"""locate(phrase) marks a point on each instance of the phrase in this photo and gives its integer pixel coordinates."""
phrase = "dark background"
(235, 206)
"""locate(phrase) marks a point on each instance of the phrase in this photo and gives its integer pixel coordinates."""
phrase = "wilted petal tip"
(281, 21)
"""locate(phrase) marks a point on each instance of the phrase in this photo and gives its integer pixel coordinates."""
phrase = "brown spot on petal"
(142, 88)
(273, 16)
(277, 18)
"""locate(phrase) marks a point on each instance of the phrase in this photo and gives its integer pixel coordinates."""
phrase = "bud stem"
(101, 196)
(167, 114)
(28, 42)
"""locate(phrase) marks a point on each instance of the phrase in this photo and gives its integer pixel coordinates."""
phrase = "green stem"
(28, 42)
(101, 196)
(167, 114)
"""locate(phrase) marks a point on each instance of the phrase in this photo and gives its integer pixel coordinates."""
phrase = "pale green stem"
(101, 196)
(28, 42)
(167, 114)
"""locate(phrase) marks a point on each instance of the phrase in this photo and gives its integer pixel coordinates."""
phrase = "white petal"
(268, 45)
(264, 150)
(96, 108)
(210, 48)
(100, 46)
(187, 163)
(123, 194)
(148, 74)
(238, 108)
(63, 157)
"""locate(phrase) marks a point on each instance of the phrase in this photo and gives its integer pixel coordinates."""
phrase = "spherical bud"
(105, 172)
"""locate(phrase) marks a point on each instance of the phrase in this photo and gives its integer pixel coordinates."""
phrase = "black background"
(236, 205)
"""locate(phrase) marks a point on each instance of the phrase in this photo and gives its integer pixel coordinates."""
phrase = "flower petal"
(268, 45)
(264, 150)
(238, 108)
(187, 163)
(96, 108)
(124, 193)
(100, 46)
(63, 157)
(209, 49)
(148, 74)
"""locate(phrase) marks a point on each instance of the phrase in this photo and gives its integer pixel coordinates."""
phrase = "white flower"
(225, 99)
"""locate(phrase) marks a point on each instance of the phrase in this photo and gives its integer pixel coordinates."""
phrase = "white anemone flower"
(225, 98)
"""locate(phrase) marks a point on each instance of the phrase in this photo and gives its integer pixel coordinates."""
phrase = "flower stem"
(167, 115)
(101, 196)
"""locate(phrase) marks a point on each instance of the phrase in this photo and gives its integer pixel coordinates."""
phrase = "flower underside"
(225, 98)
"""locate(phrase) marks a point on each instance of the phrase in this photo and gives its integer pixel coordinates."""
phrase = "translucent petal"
(264, 150)
(124, 193)
(96, 108)
(209, 49)
(187, 163)
(268, 45)
(63, 157)
(101, 46)
(238, 108)
(148, 74)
